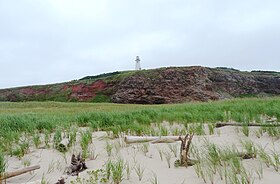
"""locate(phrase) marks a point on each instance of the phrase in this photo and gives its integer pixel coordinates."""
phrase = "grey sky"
(47, 41)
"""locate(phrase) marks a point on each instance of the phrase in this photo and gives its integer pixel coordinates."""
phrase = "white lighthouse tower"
(137, 65)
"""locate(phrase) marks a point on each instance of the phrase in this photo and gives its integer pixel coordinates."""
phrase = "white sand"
(53, 163)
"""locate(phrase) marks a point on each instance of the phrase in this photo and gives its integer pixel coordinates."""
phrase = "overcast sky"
(48, 41)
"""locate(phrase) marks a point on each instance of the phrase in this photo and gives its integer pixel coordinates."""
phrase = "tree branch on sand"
(184, 151)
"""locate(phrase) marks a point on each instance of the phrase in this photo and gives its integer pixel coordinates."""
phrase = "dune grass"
(28, 117)
(2, 163)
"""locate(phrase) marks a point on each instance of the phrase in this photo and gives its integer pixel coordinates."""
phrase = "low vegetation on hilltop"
(156, 86)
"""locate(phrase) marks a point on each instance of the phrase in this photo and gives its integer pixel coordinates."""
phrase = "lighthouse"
(137, 65)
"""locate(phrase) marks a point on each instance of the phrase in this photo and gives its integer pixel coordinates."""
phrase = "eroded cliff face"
(235, 83)
(157, 86)
(171, 85)
(176, 85)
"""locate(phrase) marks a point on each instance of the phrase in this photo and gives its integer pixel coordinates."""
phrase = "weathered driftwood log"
(163, 140)
(77, 165)
(60, 181)
(218, 125)
(137, 139)
(19, 172)
(184, 151)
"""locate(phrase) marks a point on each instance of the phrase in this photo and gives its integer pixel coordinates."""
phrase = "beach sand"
(53, 163)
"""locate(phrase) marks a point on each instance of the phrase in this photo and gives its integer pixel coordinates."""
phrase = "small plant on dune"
(195, 128)
(233, 178)
(259, 171)
(79, 180)
(117, 169)
(92, 154)
(154, 179)
(213, 155)
(3, 164)
(139, 171)
(160, 152)
(121, 141)
(127, 170)
(220, 172)
(199, 129)
(275, 161)
(43, 180)
(153, 132)
(245, 129)
(168, 158)
(174, 149)
(108, 166)
(36, 139)
(200, 172)
(97, 175)
(194, 152)
(246, 176)
(51, 167)
(17, 152)
(26, 162)
(22, 149)
(264, 156)
(85, 141)
(250, 148)
(109, 148)
(259, 133)
(114, 170)
(227, 153)
(88, 134)
(145, 148)
(57, 138)
(163, 131)
(197, 169)
(236, 165)
(177, 131)
(211, 173)
(177, 163)
(72, 137)
(47, 138)
(211, 127)
(273, 131)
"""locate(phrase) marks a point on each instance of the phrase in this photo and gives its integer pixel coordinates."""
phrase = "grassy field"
(30, 116)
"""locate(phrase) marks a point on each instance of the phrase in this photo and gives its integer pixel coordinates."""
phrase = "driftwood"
(19, 172)
(246, 155)
(157, 139)
(60, 181)
(184, 151)
(218, 125)
(163, 140)
(77, 165)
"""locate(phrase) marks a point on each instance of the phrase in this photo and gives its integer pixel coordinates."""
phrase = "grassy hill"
(155, 86)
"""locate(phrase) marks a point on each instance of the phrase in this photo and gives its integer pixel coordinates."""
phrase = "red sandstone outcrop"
(157, 86)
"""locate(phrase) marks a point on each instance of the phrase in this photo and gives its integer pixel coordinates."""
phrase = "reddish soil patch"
(84, 92)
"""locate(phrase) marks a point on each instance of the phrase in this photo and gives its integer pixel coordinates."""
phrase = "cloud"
(59, 40)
